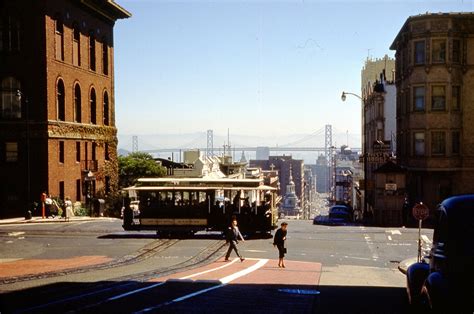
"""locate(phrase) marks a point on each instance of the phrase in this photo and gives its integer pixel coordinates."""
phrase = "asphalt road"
(349, 269)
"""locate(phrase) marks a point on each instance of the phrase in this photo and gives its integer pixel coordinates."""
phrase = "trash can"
(99, 207)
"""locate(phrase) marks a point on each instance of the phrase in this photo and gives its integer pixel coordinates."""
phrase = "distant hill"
(123, 152)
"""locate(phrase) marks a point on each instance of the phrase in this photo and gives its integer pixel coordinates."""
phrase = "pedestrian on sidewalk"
(68, 212)
(233, 235)
(279, 242)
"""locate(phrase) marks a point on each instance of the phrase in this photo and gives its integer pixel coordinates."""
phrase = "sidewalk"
(403, 265)
(22, 220)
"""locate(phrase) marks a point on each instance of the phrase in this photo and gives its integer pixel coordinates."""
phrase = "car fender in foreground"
(416, 276)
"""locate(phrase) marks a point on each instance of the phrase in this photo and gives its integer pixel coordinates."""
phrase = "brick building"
(57, 115)
(283, 164)
(435, 112)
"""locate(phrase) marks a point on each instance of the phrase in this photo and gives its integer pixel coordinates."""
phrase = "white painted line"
(394, 232)
(210, 270)
(244, 272)
(224, 281)
(134, 291)
(15, 234)
(389, 237)
(426, 239)
(255, 251)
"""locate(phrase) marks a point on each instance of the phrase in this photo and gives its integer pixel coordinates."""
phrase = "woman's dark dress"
(279, 241)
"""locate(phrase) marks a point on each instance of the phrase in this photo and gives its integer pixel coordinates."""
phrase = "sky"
(266, 68)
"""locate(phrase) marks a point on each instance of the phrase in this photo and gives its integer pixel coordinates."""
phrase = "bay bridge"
(300, 145)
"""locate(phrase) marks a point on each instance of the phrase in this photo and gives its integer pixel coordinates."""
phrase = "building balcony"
(89, 165)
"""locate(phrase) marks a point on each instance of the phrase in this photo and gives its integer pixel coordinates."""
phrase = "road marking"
(426, 239)
(255, 251)
(8, 260)
(394, 232)
(244, 272)
(389, 237)
(370, 244)
(398, 244)
(15, 234)
(210, 270)
(224, 281)
(134, 291)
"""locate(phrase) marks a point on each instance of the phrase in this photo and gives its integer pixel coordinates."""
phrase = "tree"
(138, 165)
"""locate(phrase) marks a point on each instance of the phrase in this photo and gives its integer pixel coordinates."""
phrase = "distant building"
(263, 153)
(291, 204)
(57, 110)
(370, 77)
(321, 171)
(435, 115)
(379, 132)
(282, 164)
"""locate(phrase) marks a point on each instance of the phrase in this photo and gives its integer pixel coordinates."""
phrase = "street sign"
(420, 211)
(377, 158)
(390, 186)
(382, 147)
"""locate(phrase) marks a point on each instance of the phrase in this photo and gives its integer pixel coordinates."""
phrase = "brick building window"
(438, 143)
(2, 35)
(77, 104)
(456, 50)
(10, 104)
(419, 98)
(106, 109)
(456, 98)
(419, 143)
(419, 52)
(106, 152)
(438, 50)
(61, 190)
(11, 151)
(61, 152)
(9, 34)
(456, 142)
(78, 151)
(105, 57)
(91, 51)
(59, 40)
(107, 184)
(78, 190)
(94, 151)
(61, 100)
(93, 107)
(76, 46)
(438, 98)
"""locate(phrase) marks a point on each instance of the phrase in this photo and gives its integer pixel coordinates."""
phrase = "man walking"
(233, 236)
(279, 242)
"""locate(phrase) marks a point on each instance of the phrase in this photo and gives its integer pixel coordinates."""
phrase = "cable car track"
(94, 290)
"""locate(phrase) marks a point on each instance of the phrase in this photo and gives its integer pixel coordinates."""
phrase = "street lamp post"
(364, 144)
(19, 96)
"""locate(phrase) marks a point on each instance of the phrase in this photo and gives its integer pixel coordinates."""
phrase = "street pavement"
(350, 269)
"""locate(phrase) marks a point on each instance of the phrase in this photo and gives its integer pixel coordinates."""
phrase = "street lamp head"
(343, 96)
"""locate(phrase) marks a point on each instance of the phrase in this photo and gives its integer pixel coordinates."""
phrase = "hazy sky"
(257, 67)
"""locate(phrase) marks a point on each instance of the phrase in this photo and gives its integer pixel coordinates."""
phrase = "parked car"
(339, 215)
(446, 283)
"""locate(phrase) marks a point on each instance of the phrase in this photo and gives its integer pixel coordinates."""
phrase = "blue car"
(445, 284)
(339, 215)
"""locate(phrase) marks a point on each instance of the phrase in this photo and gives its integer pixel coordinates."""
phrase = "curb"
(403, 265)
(21, 221)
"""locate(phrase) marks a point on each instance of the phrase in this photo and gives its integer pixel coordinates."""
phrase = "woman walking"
(233, 237)
(279, 242)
